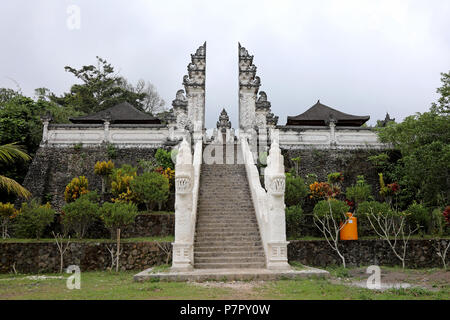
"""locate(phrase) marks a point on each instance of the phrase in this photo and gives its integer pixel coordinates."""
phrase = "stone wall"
(54, 167)
(317, 253)
(351, 163)
(44, 257)
(145, 225)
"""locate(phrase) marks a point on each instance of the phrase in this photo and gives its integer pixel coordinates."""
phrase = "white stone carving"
(269, 205)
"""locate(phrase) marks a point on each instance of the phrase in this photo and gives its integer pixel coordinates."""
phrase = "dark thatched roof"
(320, 115)
(123, 113)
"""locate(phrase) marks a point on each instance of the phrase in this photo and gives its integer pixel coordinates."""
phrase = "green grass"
(123, 240)
(111, 285)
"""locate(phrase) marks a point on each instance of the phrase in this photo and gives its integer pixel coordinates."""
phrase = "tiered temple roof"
(123, 113)
(321, 115)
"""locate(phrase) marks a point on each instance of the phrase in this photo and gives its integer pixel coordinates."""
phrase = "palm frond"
(11, 151)
(12, 186)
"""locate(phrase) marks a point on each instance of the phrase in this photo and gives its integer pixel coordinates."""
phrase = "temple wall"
(125, 136)
(327, 137)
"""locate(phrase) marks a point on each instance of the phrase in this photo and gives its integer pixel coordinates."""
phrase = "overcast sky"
(361, 57)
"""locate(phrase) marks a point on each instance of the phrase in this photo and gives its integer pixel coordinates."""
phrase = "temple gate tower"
(254, 111)
(194, 85)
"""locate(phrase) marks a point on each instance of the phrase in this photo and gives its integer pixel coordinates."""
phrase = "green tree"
(330, 217)
(20, 122)
(80, 214)
(423, 141)
(32, 219)
(151, 188)
(296, 190)
(101, 88)
(115, 216)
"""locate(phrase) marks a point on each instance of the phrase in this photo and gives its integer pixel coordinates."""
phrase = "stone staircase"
(227, 234)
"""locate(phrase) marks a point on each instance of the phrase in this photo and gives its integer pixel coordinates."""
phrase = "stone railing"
(187, 183)
(269, 205)
(328, 137)
(66, 135)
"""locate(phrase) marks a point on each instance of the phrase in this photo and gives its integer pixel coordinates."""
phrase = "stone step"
(229, 254)
(209, 239)
(228, 233)
(227, 260)
(227, 243)
(231, 222)
(242, 265)
(201, 229)
(231, 248)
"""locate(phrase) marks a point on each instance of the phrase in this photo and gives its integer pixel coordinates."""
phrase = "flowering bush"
(77, 187)
(323, 190)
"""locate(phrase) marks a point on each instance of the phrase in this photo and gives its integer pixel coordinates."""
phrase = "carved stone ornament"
(262, 103)
(47, 117)
(224, 121)
(183, 184)
(271, 119)
(180, 100)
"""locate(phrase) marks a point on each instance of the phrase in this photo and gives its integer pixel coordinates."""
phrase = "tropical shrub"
(150, 188)
(311, 178)
(32, 219)
(120, 183)
(164, 159)
(77, 187)
(335, 178)
(79, 215)
(359, 192)
(378, 208)
(336, 208)
(419, 216)
(296, 190)
(7, 213)
(323, 190)
(118, 214)
(294, 218)
(103, 169)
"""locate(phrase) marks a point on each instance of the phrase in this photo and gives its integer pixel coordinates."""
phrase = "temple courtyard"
(417, 284)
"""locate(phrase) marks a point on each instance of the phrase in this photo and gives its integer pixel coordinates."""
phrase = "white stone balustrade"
(187, 182)
(269, 205)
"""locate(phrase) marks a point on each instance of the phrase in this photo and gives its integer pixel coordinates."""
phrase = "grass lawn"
(111, 285)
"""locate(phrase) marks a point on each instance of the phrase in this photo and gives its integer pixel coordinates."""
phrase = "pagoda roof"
(320, 115)
(123, 113)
